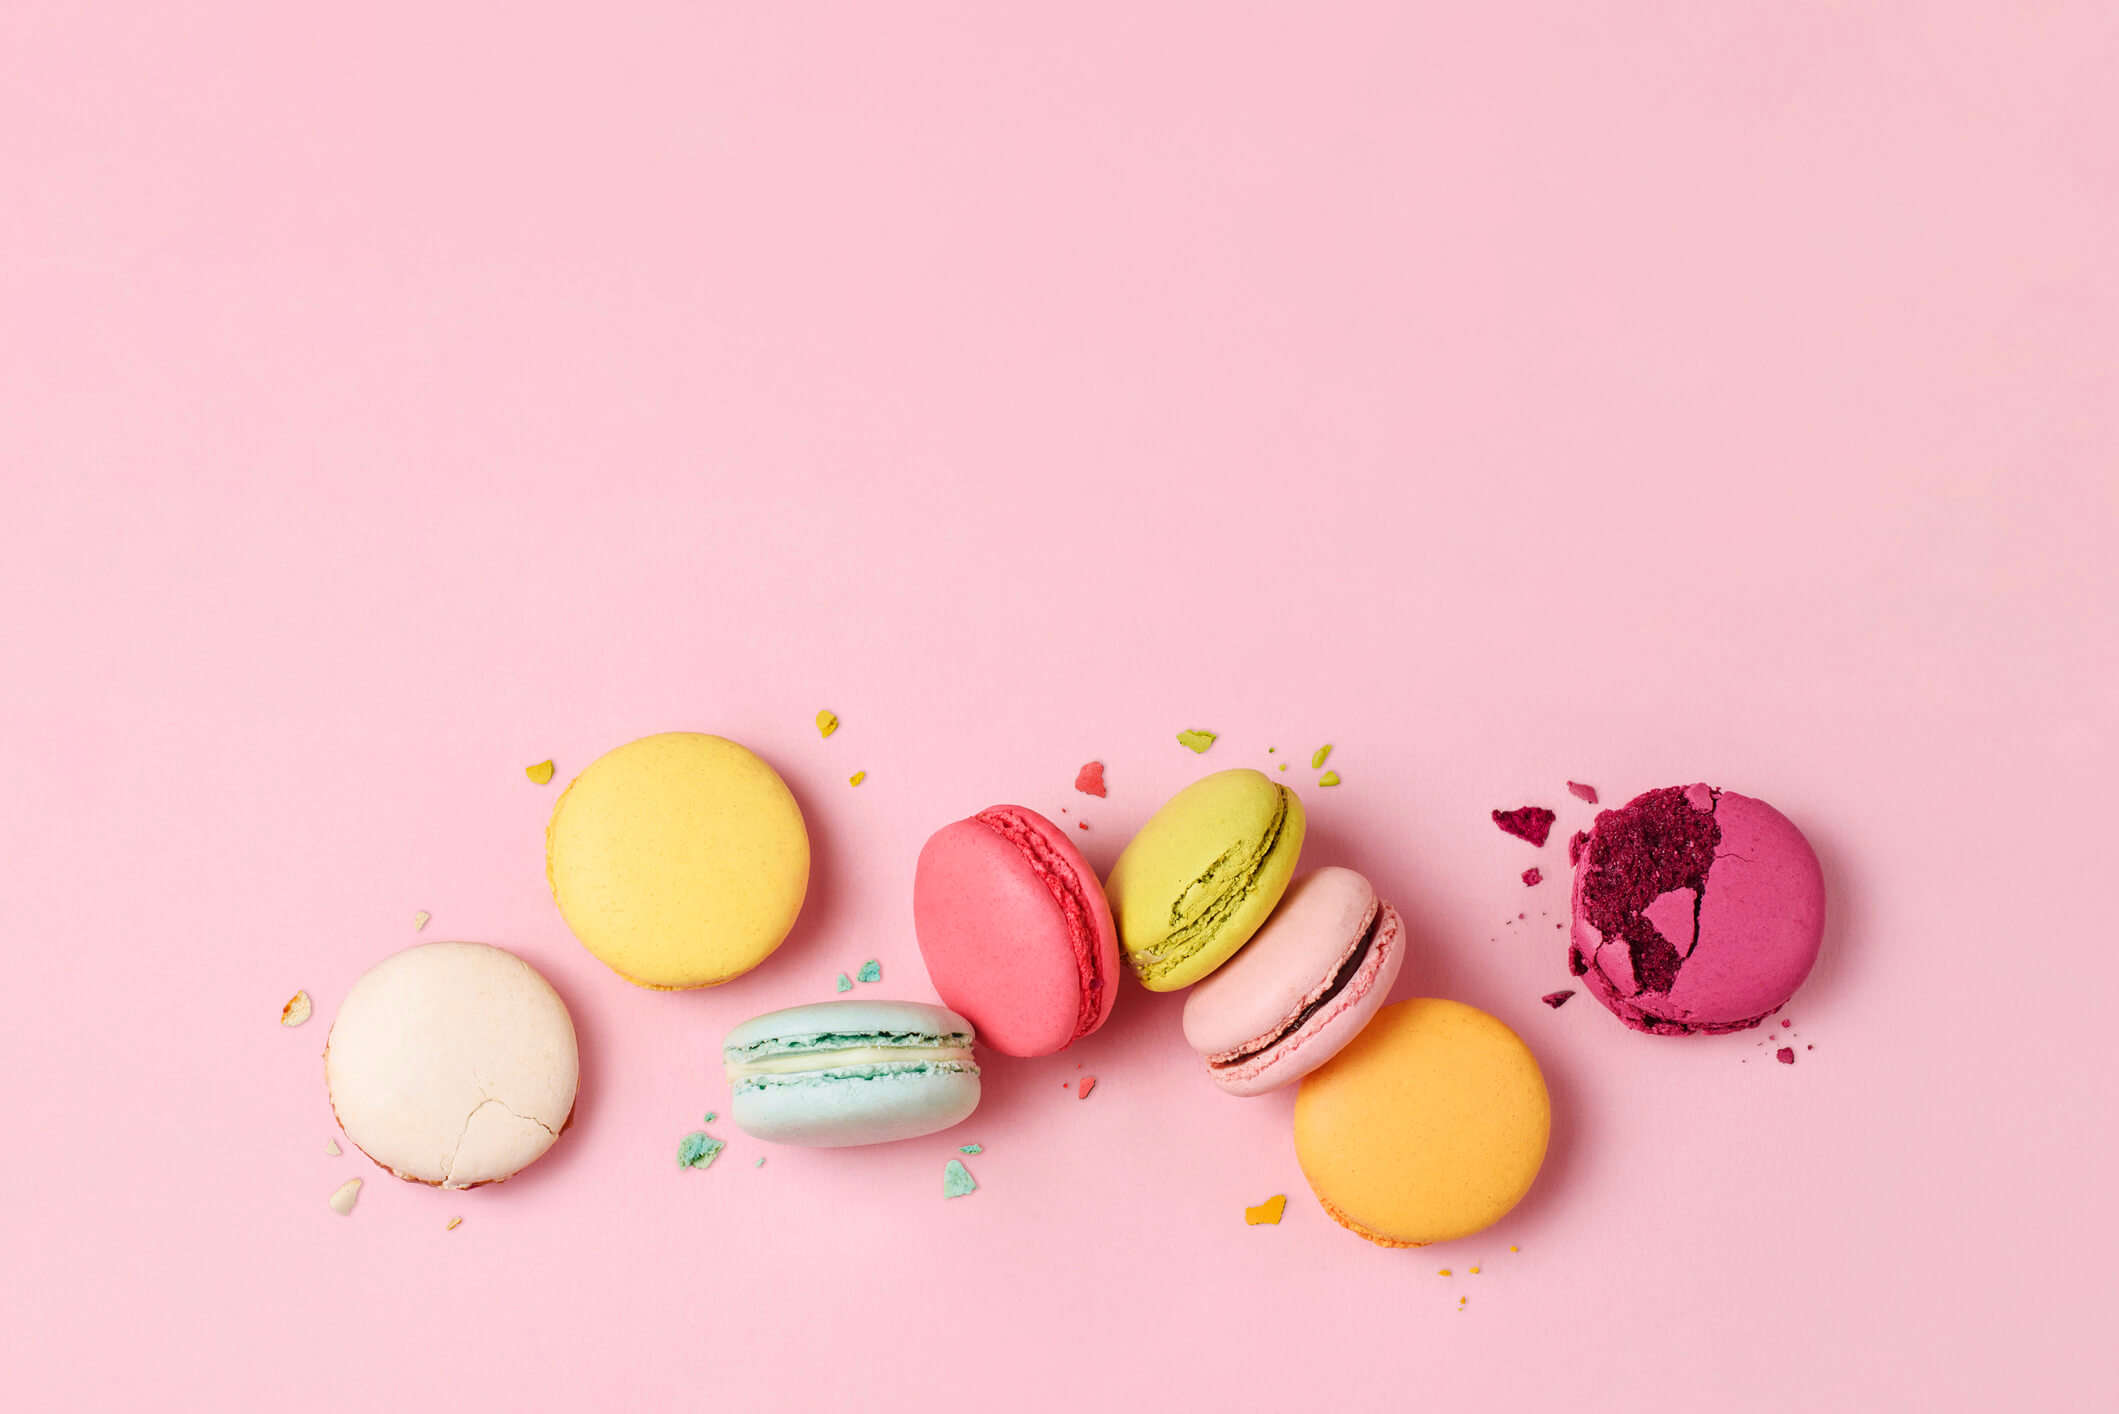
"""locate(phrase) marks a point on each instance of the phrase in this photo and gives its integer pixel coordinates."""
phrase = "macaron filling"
(1342, 975)
(1061, 881)
(783, 1060)
(1204, 907)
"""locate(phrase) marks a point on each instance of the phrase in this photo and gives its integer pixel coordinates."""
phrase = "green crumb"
(1329, 778)
(759, 1162)
(970, 1149)
(957, 1180)
(845, 983)
(1271, 749)
(1283, 765)
(698, 1151)
(871, 971)
(1317, 758)
(1195, 741)
(710, 1117)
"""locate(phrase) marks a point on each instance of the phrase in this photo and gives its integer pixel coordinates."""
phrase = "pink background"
(1636, 392)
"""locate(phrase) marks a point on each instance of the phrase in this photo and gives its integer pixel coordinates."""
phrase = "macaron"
(679, 860)
(1430, 1125)
(1015, 930)
(1695, 910)
(1202, 875)
(832, 1074)
(452, 1064)
(1304, 987)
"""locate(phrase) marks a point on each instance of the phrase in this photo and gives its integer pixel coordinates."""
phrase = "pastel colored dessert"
(1430, 1125)
(1695, 910)
(679, 860)
(1202, 875)
(836, 1073)
(452, 1064)
(1015, 930)
(1306, 985)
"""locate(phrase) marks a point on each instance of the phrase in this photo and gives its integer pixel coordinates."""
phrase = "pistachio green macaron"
(1201, 876)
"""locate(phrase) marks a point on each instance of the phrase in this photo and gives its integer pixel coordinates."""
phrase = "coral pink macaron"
(1303, 988)
(1016, 931)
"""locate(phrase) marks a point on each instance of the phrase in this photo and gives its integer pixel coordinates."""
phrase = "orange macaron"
(1430, 1125)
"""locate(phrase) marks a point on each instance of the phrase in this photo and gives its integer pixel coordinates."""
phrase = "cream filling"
(835, 1060)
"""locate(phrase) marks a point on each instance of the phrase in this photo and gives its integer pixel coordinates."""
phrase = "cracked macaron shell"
(847, 1087)
(452, 1064)
(1430, 1125)
(1302, 989)
(1203, 874)
(1015, 930)
(1739, 945)
(679, 860)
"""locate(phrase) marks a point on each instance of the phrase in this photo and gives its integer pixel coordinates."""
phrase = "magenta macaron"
(1695, 910)
(1016, 931)
(1302, 988)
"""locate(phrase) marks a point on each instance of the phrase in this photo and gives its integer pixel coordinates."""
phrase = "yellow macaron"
(1430, 1125)
(679, 860)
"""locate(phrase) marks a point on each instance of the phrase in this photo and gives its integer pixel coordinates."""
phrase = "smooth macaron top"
(1695, 910)
(1302, 988)
(679, 860)
(1431, 1124)
(452, 1064)
(1202, 875)
(1015, 930)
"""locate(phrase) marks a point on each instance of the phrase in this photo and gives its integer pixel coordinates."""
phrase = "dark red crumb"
(1522, 915)
(1809, 1048)
(1574, 846)
(1088, 1083)
(1090, 779)
(1531, 877)
(1582, 792)
(1554, 999)
(1785, 1055)
(1786, 1022)
(1526, 822)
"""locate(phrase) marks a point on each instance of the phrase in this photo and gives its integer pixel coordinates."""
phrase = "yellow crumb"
(1475, 1271)
(296, 1011)
(1267, 1212)
(1513, 1248)
(856, 778)
(1329, 778)
(419, 920)
(827, 722)
(1317, 759)
(1443, 1273)
(541, 773)
(452, 1224)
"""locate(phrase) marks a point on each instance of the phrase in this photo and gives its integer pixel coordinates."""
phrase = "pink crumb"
(1587, 794)
(1785, 1055)
(1556, 999)
(1090, 779)
(1786, 1022)
(1526, 822)
(1531, 877)
(1088, 1083)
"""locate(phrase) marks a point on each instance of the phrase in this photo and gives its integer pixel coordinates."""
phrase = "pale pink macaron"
(1303, 988)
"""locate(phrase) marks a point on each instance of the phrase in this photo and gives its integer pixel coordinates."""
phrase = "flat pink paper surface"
(1632, 393)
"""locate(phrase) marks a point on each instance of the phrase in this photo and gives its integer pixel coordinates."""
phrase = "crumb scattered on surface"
(759, 1162)
(698, 1150)
(539, 774)
(970, 1149)
(1089, 780)
(347, 1195)
(1329, 778)
(1526, 822)
(452, 1224)
(827, 722)
(1532, 877)
(1785, 1055)
(419, 920)
(1283, 765)
(1084, 1086)
(710, 1117)
(1786, 1022)
(297, 1010)
(957, 1180)
(1558, 999)
(856, 778)
(1443, 1273)
(1081, 824)
(1267, 1212)
(845, 983)
(1460, 1302)
(1581, 792)
(1317, 756)
(331, 1148)
(1513, 1248)
(1195, 740)
(1475, 1271)
(871, 971)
